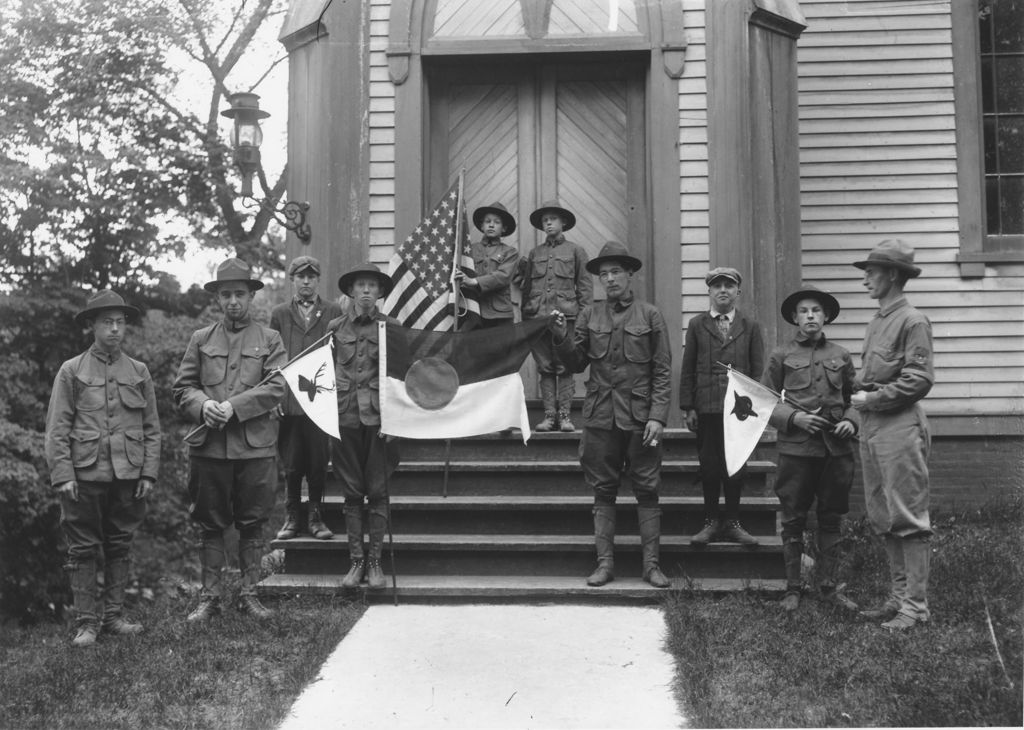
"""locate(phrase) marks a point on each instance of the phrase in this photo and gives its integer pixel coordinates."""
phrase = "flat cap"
(726, 272)
(303, 262)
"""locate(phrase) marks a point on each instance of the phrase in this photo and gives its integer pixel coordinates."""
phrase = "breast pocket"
(798, 373)
(345, 345)
(637, 343)
(129, 388)
(885, 364)
(252, 364)
(598, 335)
(90, 393)
(834, 373)
(213, 363)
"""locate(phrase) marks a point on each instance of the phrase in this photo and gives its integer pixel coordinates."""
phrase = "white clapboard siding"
(381, 139)
(878, 160)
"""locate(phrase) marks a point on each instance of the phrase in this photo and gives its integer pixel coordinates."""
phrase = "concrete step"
(552, 555)
(509, 589)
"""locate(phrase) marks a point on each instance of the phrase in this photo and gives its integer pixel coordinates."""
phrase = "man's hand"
(652, 433)
(557, 325)
(228, 410)
(69, 490)
(844, 429)
(466, 281)
(143, 488)
(859, 399)
(213, 415)
(810, 422)
(388, 438)
(691, 420)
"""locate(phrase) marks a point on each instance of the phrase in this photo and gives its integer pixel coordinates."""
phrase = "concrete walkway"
(495, 667)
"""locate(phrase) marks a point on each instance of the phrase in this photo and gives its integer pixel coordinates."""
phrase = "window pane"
(1011, 196)
(992, 205)
(1008, 23)
(1010, 145)
(987, 83)
(985, 25)
(991, 161)
(1009, 84)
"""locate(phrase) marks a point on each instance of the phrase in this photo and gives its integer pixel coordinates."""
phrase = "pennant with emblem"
(311, 379)
(748, 406)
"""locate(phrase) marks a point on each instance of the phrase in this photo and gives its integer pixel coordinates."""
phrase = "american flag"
(421, 269)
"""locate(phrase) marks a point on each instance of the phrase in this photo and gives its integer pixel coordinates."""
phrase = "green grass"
(236, 672)
(742, 663)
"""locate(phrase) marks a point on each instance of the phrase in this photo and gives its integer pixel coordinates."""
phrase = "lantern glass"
(247, 133)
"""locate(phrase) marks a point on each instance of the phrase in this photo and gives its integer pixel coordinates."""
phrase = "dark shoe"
(85, 636)
(601, 576)
(120, 626)
(317, 528)
(732, 531)
(250, 604)
(791, 601)
(208, 608)
(565, 423)
(656, 578)
(290, 528)
(885, 612)
(706, 534)
(374, 575)
(548, 424)
(901, 622)
(354, 576)
(837, 597)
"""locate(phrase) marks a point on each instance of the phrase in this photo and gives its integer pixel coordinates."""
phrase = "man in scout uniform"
(721, 335)
(552, 277)
(815, 425)
(896, 372)
(495, 264)
(626, 344)
(363, 459)
(229, 383)
(303, 447)
(103, 452)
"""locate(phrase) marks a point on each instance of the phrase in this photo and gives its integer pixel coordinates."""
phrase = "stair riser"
(755, 564)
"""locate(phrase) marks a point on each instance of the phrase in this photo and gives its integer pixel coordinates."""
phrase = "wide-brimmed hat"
(234, 269)
(346, 280)
(552, 206)
(894, 253)
(827, 301)
(303, 262)
(613, 251)
(499, 210)
(105, 299)
(720, 272)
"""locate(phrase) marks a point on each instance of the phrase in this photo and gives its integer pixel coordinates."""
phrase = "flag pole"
(273, 373)
(456, 258)
(780, 396)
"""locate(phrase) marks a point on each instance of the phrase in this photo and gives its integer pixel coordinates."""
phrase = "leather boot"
(828, 566)
(86, 601)
(898, 582)
(566, 388)
(913, 609)
(792, 557)
(650, 538)
(213, 559)
(547, 396)
(378, 526)
(706, 534)
(290, 528)
(114, 583)
(317, 528)
(249, 554)
(354, 529)
(604, 541)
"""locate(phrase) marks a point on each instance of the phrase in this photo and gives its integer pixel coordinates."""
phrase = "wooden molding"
(399, 40)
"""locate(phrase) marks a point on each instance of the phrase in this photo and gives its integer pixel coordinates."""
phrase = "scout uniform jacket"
(815, 374)
(554, 276)
(227, 361)
(627, 347)
(102, 421)
(356, 360)
(896, 364)
(291, 325)
(495, 265)
(702, 383)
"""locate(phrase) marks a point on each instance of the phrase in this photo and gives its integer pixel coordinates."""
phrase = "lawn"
(741, 662)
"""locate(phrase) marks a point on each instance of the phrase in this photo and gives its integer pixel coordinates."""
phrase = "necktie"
(723, 326)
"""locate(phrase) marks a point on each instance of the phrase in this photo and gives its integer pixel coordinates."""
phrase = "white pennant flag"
(311, 378)
(748, 406)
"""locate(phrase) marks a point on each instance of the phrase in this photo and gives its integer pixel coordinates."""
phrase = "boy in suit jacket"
(725, 335)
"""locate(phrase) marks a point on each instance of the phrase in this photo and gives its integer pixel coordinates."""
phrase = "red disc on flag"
(431, 383)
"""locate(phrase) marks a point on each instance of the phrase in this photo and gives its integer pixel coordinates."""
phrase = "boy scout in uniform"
(363, 459)
(552, 277)
(896, 372)
(103, 452)
(815, 425)
(726, 335)
(626, 344)
(495, 264)
(227, 383)
(303, 447)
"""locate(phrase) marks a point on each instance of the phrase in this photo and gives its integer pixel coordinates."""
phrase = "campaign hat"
(552, 206)
(304, 262)
(893, 253)
(827, 301)
(613, 251)
(234, 269)
(726, 272)
(346, 280)
(105, 299)
(499, 210)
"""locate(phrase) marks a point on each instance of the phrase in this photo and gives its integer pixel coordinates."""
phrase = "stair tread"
(504, 501)
(524, 542)
(568, 464)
